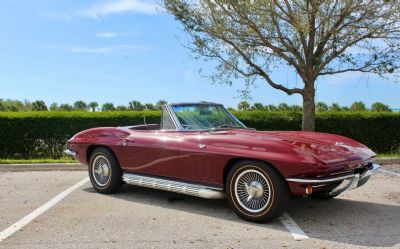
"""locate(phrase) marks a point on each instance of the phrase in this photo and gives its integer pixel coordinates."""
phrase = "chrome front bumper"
(69, 152)
(346, 182)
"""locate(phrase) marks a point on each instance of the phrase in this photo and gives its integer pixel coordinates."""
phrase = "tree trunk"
(308, 122)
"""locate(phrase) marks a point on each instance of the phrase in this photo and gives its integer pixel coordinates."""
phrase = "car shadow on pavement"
(348, 221)
(337, 220)
(218, 208)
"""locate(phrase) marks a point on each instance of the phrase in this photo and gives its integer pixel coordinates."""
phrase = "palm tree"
(93, 105)
(136, 105)
(149, 106)
(53, 107)
(108, 107)
(160, 103)
(257, 106)
(39, 105)
(271, 108)
(321, 107)
(358, 106)
(283, 107)
(380, 107)
(65, 107)
(243, 106)
(80, 105)
(121, 108)
(335, 107)
(296, 108)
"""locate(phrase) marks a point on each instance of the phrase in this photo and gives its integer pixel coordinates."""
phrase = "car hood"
(329, 148)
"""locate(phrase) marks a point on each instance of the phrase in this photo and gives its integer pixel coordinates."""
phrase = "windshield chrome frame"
(180, 127)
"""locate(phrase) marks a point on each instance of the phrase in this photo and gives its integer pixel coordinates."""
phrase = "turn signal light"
(309, 189)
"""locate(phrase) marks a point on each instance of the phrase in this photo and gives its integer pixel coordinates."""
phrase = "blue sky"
(118, 51)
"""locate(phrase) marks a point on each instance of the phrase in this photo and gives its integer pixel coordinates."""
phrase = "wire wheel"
(101, 170)
(252, 190)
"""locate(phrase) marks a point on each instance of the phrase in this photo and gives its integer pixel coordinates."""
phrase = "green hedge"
(379, 131)
(27, 135)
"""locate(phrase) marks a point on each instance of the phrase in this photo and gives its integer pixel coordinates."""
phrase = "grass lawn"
(390, 155)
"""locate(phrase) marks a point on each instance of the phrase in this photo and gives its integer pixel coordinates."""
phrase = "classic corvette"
(201, 149)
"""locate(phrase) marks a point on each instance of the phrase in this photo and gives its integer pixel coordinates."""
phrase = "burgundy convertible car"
(201, 149)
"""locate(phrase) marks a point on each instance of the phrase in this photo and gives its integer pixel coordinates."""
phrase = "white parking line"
(389, 172)
(293, 228)
(28, 218)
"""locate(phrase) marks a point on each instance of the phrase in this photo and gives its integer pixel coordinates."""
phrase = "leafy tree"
(160, 103)
(108, 107)
(121, 108)
(257, 106)
(80, 105)
(135, 105)
(54, 107)
(249, 39)
(149, 106)
(93, 105)
(65, 107)
(230, 109)
(335, 107)
(380, 107)
(243, 106)
(358, 106)
(321, 107)
(283, 107)
(39, 105)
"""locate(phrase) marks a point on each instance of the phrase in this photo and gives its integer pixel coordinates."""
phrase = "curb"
(43, 167)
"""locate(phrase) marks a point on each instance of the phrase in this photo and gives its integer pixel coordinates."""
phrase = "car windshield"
(205, 117)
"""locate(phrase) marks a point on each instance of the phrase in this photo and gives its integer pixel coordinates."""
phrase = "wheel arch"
(91, 148)
(233, 161)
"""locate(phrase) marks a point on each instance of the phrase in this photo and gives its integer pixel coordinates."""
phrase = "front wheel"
(256, 191)
(104, 171)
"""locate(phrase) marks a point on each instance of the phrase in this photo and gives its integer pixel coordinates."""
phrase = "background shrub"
(27, 135)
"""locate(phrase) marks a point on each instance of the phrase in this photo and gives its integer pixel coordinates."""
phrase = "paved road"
(144, 218)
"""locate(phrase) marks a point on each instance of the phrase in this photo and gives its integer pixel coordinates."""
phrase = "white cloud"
(119, 6)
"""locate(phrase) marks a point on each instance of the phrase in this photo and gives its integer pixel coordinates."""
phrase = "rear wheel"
(256, 191)
(104, 171)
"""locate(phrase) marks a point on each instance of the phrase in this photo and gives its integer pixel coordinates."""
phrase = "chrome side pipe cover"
(173, 186)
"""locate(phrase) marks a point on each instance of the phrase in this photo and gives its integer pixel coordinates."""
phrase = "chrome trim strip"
(319, 181)
(69, 152)
(174, 186)
(335, 179)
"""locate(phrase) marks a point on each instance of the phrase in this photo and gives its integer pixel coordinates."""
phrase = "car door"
(151, 152)
(202, 162)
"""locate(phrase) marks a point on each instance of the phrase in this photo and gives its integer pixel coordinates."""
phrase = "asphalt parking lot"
(143, 218)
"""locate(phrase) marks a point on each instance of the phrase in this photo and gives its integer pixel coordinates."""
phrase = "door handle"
(125, 140)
